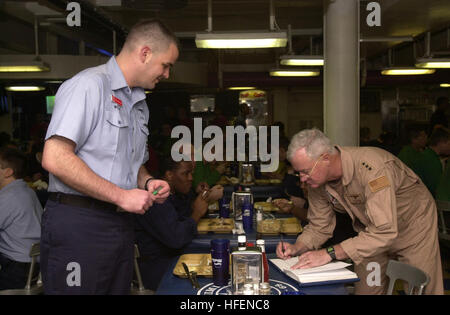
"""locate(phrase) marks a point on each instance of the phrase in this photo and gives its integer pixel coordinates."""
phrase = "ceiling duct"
(154, 5)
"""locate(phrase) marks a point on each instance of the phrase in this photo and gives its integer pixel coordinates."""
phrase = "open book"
(329, 273)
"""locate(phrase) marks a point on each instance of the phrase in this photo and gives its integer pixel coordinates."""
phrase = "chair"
(34, 284)
(140, 289)
(415, 277)
(443, 208)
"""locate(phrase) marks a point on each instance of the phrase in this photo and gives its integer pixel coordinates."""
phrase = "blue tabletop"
(280, 283)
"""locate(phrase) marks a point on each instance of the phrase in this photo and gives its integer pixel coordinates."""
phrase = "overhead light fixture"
(241, 40)
(291, 59)
(406, 71)
(444, 85)
(301, 60)
(294, 73)
(24, 88)
(242, 88)
(427, 61)
(32, 66)
(238, 40)
(433, 63)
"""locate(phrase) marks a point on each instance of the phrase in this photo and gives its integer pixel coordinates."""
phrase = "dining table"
(202, 241)
(280, 284)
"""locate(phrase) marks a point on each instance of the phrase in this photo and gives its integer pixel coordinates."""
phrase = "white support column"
(341, 71)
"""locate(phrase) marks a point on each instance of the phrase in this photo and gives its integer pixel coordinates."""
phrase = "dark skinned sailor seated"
(163, 231)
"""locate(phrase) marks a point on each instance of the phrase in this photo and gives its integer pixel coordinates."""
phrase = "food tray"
(200, 263)
(225, 180)
(215, 225)
(267, 182)
(214, 206)
(289, 226)
(262, 182)
(266, 206)
(269, 227)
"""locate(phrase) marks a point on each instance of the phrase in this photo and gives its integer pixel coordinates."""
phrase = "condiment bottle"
(265, 265)
(242, 242)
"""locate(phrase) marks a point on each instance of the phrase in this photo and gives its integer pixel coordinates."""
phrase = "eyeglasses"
(306, 172)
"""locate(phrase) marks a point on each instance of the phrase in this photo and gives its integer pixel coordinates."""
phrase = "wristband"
(147, 181)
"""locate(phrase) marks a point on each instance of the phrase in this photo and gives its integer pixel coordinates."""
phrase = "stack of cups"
(220, 254)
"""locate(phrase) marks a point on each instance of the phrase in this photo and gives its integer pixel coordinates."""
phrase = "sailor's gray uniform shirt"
(108, 122)
(20, 220)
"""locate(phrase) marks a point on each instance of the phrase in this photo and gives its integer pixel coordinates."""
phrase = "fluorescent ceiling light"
(32, 66)
(444, 85)
(407, 71)
(24, 88)
(242, 88)
(241, 40)
(299, 60)
(294, 73)
(433, 63)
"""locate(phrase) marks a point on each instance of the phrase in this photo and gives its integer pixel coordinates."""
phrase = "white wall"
(303, 108)
(298, 109)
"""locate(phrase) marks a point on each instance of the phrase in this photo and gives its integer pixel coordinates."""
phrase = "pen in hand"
(282, 243)
(156, 191)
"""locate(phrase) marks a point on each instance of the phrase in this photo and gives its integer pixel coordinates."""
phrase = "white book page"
(334, 274)
(288, 263)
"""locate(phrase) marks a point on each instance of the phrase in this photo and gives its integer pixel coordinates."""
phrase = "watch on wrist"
(331, 252)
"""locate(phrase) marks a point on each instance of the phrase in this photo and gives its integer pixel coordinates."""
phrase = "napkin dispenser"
(238, 199)
(246, 268)
(246, 174)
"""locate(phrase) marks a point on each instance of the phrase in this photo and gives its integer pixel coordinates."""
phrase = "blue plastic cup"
(224, 208)
(247, 217)
(220, 254)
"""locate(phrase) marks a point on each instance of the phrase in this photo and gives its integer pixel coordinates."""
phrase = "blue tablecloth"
(173, 285)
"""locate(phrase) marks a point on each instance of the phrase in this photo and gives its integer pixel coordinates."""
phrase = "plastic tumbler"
(224, 208)
(220, 254)
(247, 217)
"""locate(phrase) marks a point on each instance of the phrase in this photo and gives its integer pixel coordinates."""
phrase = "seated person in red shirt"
(163, 231)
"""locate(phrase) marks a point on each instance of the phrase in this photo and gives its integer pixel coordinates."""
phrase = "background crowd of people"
(426, 153)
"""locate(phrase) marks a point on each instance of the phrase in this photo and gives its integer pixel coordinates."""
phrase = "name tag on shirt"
(116, 100)
(379, 183)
